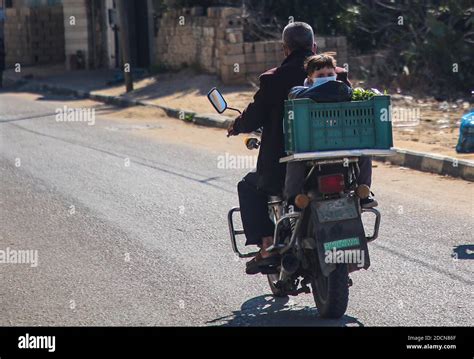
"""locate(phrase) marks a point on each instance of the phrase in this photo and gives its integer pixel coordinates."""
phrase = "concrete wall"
(213, 41)
(369, 66)
(76, 36)
(34, 35)
(190, 43)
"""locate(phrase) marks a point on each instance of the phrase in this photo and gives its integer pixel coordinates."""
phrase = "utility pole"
(124, 39)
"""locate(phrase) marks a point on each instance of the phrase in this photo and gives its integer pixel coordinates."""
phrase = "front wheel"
(331, 293)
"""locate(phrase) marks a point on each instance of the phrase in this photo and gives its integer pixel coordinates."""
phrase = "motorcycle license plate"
(336, 210)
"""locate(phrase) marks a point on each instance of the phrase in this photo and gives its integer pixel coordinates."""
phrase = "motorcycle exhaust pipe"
(289, 265)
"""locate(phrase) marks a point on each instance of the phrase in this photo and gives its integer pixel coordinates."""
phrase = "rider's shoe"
(368, 202)
(257, 263)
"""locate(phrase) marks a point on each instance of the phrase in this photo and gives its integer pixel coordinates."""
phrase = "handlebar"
(252, 143)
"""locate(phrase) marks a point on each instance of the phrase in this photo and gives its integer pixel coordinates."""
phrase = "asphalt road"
(128, 218)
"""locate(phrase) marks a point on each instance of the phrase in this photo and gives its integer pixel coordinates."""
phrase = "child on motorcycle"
(321, 85)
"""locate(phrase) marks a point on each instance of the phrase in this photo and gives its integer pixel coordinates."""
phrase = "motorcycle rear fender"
(334, 231)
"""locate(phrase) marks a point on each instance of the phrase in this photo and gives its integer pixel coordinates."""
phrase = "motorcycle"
(320, 237)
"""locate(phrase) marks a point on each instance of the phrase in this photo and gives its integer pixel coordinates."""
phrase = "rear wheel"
(331, 293)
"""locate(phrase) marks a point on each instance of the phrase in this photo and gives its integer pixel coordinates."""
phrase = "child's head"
(322, 65)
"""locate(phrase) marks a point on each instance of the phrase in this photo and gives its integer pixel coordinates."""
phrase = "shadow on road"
(156, 86)
(267, 310)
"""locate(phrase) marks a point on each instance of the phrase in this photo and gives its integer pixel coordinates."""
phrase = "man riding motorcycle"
(267, 111)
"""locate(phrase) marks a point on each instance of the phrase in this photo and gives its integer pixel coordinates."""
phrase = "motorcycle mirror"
(217, 100)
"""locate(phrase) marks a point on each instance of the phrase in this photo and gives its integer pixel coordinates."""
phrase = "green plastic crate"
(310, 126)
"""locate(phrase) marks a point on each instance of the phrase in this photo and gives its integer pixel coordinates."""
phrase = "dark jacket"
(267, 111)
(332, 91)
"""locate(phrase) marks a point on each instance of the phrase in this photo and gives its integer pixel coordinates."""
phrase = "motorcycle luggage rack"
(376, 225)
(281, 246)
(233, 233)
(336, 154)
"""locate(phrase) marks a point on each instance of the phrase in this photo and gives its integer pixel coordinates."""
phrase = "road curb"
(420, 161)
(427, 162)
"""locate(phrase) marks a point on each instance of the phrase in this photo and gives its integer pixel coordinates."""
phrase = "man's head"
(298, 36)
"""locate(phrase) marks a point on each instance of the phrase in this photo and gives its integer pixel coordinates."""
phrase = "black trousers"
(254, 210)
(254, 202)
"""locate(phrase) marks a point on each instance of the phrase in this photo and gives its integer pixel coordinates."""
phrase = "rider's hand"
(231, 131)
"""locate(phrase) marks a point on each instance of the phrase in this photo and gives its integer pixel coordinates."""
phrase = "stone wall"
(34, 35)
(260, 56)
(214, 42)
(370, 66)
(187, 38)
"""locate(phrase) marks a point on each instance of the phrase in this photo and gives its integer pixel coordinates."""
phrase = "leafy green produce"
(359, 94)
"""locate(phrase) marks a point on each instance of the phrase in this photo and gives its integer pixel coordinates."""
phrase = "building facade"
(82, 34)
